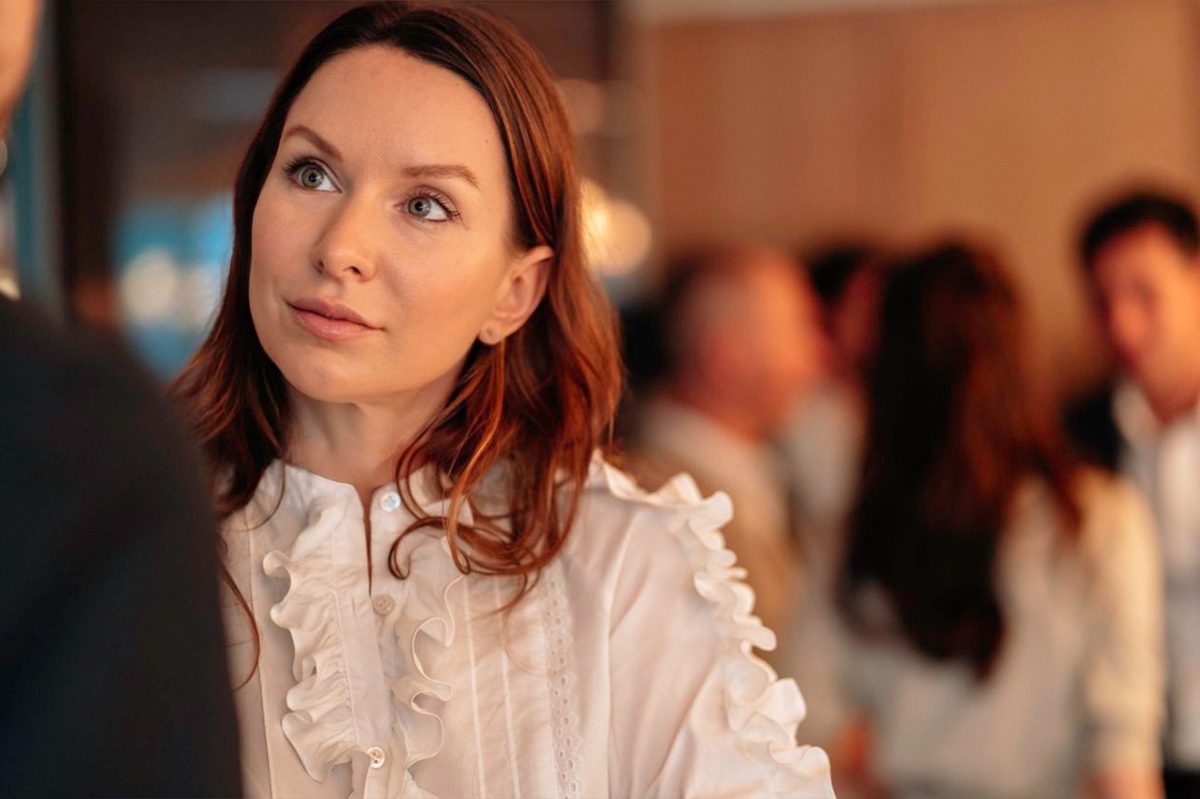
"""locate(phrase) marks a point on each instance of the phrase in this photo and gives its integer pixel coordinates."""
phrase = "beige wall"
(1007, 118)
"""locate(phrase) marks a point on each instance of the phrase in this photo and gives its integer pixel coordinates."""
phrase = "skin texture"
(423, 256)
(1149, 295)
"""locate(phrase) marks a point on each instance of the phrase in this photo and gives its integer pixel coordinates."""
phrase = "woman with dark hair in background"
(1002, 606)
(444, 589)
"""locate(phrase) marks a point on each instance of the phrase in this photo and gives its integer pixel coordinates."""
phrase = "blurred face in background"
(783, 339)
(1149, 295)
(759, 346)
(18, 24)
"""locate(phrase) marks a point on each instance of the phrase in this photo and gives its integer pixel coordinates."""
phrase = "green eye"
(310, 177)
(428, 209)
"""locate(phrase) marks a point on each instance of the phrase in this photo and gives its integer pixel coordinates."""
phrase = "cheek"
(260, 282)
(1175, 324)
(437, 305)
(275, 238)
(451, 295)
(1127, 320)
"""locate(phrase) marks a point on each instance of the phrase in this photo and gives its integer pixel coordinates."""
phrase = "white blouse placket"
(371, 705)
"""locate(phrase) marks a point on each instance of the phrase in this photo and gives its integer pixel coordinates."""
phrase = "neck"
(355, 443)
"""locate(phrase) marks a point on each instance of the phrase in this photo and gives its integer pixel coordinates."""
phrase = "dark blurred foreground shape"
(112, 658)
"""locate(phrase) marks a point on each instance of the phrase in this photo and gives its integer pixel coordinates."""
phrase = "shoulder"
(90, 417)
(96, 463)
(96, 473)
(664, 545)
(614, 496)
(1112, 509)
(1108, 553)
(615, 510)
(63, 380)
(1105, 572)
(674, 594)
(1116, 536)
(43, 352)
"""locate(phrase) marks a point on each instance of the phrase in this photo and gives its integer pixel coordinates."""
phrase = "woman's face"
(381, 239)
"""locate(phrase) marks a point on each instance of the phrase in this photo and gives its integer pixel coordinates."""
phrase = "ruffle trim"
(426, 624)
(321, 724)
(762, 710)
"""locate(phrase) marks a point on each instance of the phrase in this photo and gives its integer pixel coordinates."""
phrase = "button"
(383, 604)
(378, 757)
(390, 501)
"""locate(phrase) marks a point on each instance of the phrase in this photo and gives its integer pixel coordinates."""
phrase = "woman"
(401, 399)
(1002, 606)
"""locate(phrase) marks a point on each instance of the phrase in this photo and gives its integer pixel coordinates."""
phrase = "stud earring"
(489, 335)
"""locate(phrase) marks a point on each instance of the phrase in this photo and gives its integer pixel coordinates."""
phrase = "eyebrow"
(314, 138)
(418, 171)
(443, 171)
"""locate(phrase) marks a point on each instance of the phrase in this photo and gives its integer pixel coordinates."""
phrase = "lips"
(329, 320)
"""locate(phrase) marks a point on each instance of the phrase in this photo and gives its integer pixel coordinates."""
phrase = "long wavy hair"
(954, 429)
(540, 403)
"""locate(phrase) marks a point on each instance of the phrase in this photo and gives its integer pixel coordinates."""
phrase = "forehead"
(764, 289)
(1148, 251)
(379, 103)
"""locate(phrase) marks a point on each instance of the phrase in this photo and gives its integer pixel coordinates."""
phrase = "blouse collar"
(294, 487)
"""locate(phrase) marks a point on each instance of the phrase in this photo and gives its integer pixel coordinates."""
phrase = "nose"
(348, 244)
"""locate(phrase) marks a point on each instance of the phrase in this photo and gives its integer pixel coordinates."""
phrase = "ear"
(519, 294)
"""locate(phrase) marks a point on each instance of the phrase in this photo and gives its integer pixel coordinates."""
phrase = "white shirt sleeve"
(1123, 681)
(694, 712)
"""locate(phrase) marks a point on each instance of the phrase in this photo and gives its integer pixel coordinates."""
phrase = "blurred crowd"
(983, 589)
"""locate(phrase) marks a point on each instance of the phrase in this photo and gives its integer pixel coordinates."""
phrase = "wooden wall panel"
(1007, 118)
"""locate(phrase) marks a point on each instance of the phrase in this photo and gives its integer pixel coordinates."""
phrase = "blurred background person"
(1141, 253)
(1000, 632)
(113, 664)
(741, 344)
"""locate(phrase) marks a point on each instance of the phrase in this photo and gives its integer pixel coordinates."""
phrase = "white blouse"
(626, 671)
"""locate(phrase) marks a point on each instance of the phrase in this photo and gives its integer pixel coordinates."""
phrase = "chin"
(318, 377)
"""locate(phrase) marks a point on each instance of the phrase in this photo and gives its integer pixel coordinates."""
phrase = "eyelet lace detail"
(560, 671)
